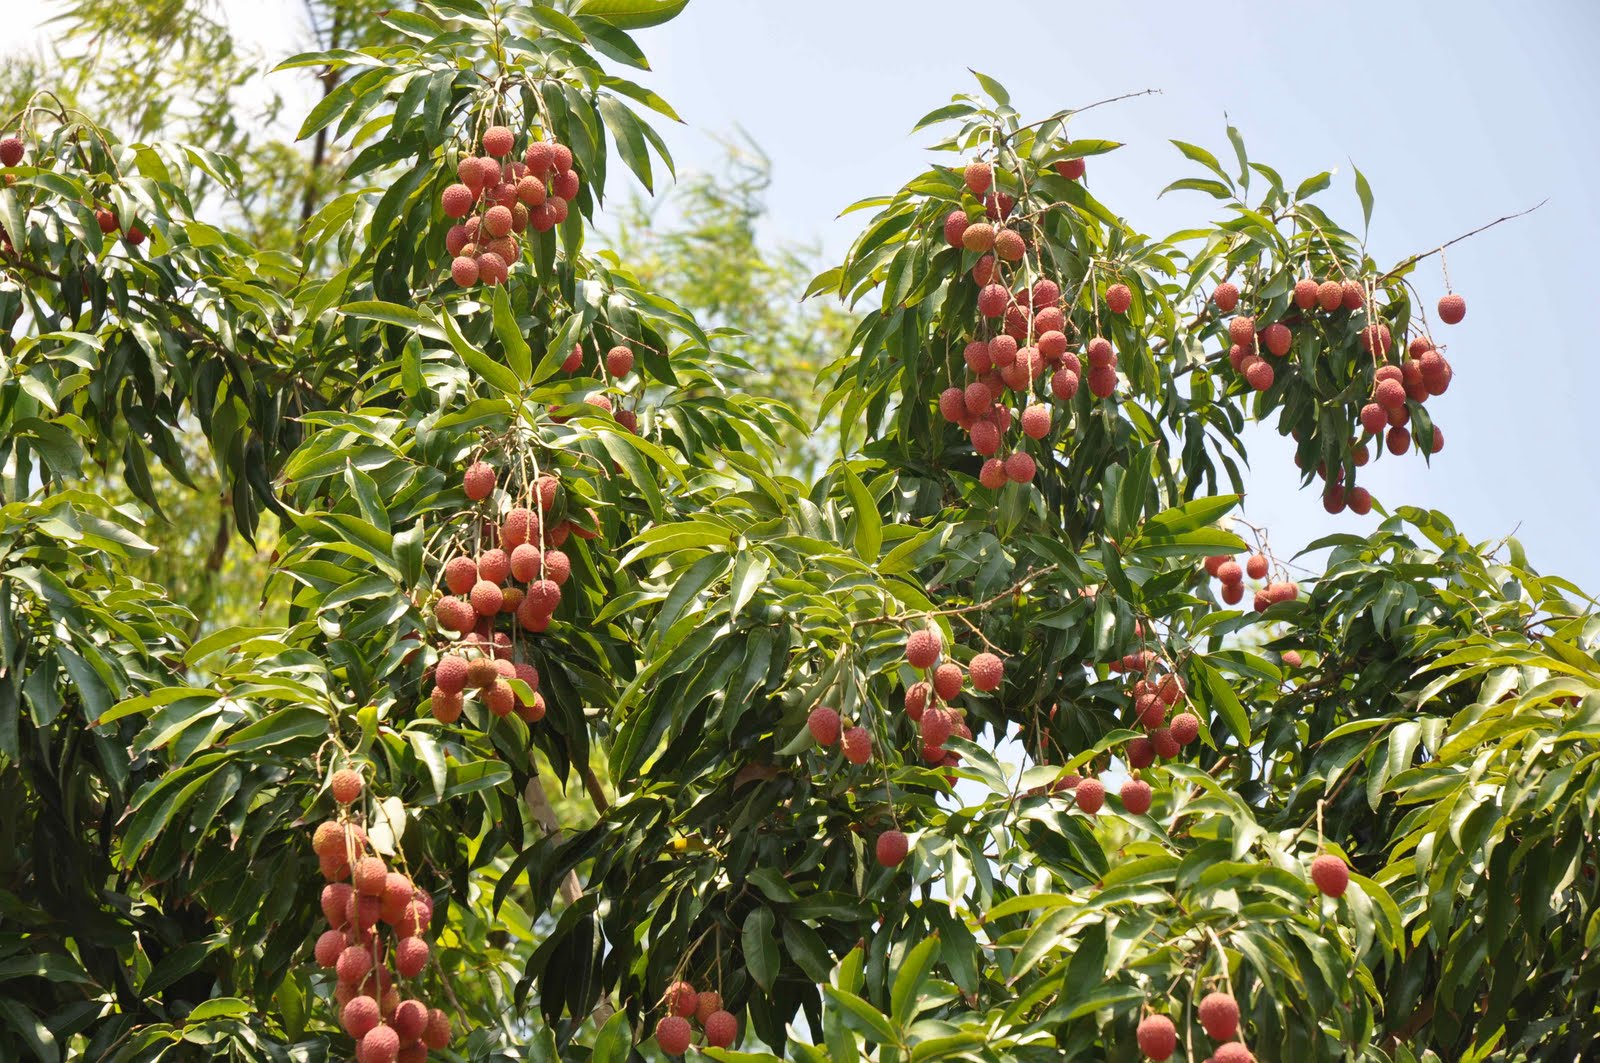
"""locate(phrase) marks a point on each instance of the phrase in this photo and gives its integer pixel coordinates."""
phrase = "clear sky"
(1456, 113)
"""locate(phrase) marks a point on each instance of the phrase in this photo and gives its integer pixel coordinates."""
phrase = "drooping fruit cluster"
(929, 702)
(827, 728)
(12, 152)
(494, 593)
(682, 1003)
(1020, 373)
(374, 944)
(1422, 371)
(1225, 569)
(496, 201)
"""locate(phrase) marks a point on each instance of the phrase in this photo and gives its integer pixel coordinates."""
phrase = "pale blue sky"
(1457, 113)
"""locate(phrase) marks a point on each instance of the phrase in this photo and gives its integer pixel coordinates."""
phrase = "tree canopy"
(441, 620)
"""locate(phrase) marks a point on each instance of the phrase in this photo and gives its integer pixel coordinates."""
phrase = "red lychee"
(922, 647)
(1008, 244)
(1232, 1052)
(1242, 330)
(673, 1034)
(1020, 467)
(457, 201)
(1119, 298)
(857, 745)
(891, 848)
(721, 1029)
(497, 141)
(359, 1016)
(1330, 875)
(979, 237)
(1256, 566)
(1219, 1014)
(1140, 753)
(1305, 293)
(1157, 1037)
(1091, 795)
(1278, 339)
(329, 946)
(1230, 572)
(987, 671)
(1136, 796)
(979, 177)
(986, 270)
(486, 598)
(1036, 421)
(1185, 728)
(1064, 384)
(410, 956)
(824, 725)
(619, 361)
(1071, 169)
(947, 680)
(1351, 296)
(346, 785)
(1259, 374)
(354, 964)
(955, 227)
(1225, 296)
(993, 300)
(1398, 440)
(1452, 308)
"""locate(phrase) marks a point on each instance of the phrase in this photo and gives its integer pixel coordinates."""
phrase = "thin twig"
(1414, 259)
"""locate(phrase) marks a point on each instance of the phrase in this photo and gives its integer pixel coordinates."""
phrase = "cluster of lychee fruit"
(1226, 570)
(516, 583)
(496, 201)
(682, 1003)
(930, 702)
(376, 918)
(12, 151)
(1219, 1017)
(1021, 345)
(617, 364)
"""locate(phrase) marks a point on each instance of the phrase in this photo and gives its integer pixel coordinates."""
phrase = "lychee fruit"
(437, 1033)
(1259, 374)
(857, 745)
(1232, 593)
(330, 944)
(922, 647)
(1008, 244)
(917, 699)
(947, 680)
(1136, 796)
(824, 725)
(1398, 440)
(1305, 293)
(707, 1002)
(1071, 169)
(1330, 296)
(565, 185)
(1166, 746)
(1140, 753)
(1242, 330)
(721, 1029)
(1330, 875)
(493, 565)
(1119, 298)
(985, 438)
(1102, 381)
(1219, 1014)
(993, 300)
(619, 361)
(1452, 308)
(978, 398)
(497, 141)
(979, 177)
(1020, 467)
(457, 201)
(486, 598)
(1278, 339)
(979, 237)
(1351, 296)
(10, 151)
(986, 269)
(1064, 384)
(1003, 351)
(955, 227)
(987, 670)
(1157, 1037)
(936, 726)
(410, 956)
(1225, 296)
(346, 785)
(1232, 1052)
(1036, 421)
(359, 1016)
(354, 964)
(1091, 795)
(1185, 728)
(891, 848)
(1256, 566)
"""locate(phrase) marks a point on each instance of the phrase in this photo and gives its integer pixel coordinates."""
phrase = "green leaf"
(862, 1016)
(908, 981)
(497, 376)
(1220, 696)
(1364, 193)
(632, 14)
(614, 1041)
(993, 88)
(518, 355)
(868, 523)
(760, 948)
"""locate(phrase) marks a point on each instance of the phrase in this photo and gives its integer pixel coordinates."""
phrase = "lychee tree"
(592, 734)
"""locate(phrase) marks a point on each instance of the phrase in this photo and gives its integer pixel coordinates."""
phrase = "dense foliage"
(637, 788)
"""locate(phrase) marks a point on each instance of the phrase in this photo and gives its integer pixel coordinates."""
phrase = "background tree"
(537, 529)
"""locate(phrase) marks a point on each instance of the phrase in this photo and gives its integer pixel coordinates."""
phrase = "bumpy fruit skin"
(1230, 572)
(464, 271)
(1330, 875)
(1020, 467)
(1036, 421)
(1398, 441)
(1064, 384)
(1242, 330)
(1009, 246)
(891, 848)
(330, 945)
(1278, 338)
(497, 141)
(1185, 728)
(1219, 1014)
(369, 876)
(922, 648)
(411, 956)
(1136, 796)
(359, 1016)
(106, 220)
(979, 177)
(681, 999)
(857, 745)
(1225, 296)
(1119, 298)
(721, 1029)
(565, 185)
(1305, 293)
(947, 680)
(955, 227)
(1452, 308)
(985, 438)
(1256, 566)
(457, 201)
(1330, 296)
(1091, 795)
(10, 151)
(987, 671)
(1351, 297)
(979, 237)
(437, 1033)
(353, 964)
(619, 361)
(346, 785)
(993, 300)
(1232, 593)
(824, 725)
(410, 1019)
(1071, 169)
(708, 1003)
(1158, 1038)
(1140, 753)
(1232, 1052)
(1259, 375)
(1102, 381)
